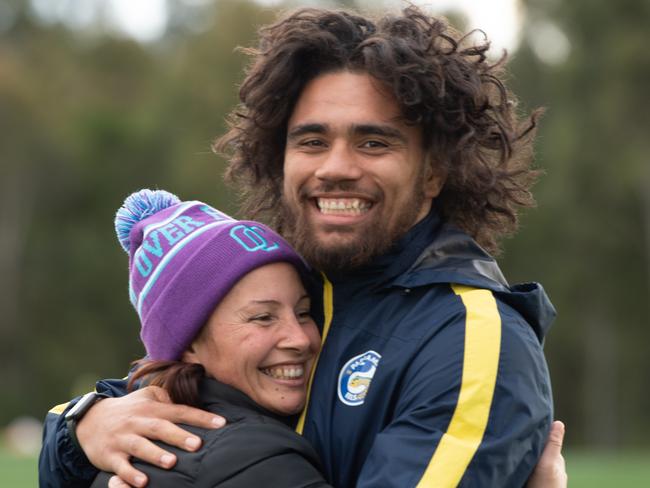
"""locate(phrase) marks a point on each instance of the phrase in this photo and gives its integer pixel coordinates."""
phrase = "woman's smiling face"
(261, 339)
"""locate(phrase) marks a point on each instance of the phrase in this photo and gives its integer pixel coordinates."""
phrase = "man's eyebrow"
(302, 129)
(378, 130)
(357, 129)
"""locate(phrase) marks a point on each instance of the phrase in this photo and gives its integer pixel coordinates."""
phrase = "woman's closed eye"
(303, 316)
(262, 318)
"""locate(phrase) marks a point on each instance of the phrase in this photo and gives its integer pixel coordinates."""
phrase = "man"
(384, 152)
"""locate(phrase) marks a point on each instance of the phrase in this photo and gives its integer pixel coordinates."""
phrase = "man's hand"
(550, 471)
(116, 428)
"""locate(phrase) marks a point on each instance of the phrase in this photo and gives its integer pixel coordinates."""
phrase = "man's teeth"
(343, 206)
(285, 372)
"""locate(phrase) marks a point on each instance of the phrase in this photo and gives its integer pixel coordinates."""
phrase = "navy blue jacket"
(431, 374)
(432, 371)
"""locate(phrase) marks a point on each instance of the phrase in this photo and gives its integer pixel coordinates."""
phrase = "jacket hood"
(454, 257)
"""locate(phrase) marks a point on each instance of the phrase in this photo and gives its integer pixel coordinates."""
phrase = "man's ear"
(435, 176)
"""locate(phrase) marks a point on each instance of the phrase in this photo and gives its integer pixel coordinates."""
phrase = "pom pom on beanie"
(138, 206)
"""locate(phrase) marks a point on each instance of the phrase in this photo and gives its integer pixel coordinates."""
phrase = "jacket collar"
(451, 256)
(396, 261)
(431, 252)
(218, 397)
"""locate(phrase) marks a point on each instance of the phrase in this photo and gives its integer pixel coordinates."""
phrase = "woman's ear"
(190, 354)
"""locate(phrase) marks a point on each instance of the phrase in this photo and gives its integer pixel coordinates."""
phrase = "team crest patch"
(355, 378)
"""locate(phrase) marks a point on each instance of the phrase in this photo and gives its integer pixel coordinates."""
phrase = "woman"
(226, 324)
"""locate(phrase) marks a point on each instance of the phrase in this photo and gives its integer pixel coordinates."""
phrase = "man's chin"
(335, 254)
(335, 248)
(337, 241)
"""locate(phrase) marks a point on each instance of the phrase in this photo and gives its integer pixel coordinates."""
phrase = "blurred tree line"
(589, 240)
(87, 117)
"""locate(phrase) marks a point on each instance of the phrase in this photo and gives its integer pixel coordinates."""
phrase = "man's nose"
(339, 164)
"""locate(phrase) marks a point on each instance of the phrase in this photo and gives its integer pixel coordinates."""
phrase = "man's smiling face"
(354, 173)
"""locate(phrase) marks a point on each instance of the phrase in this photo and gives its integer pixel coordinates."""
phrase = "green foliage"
(85, 120)
(589, 240)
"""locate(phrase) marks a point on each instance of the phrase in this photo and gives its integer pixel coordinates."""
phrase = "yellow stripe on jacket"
(328, 309)
(480, 366)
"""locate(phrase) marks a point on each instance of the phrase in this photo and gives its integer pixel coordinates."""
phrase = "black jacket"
(255, 448)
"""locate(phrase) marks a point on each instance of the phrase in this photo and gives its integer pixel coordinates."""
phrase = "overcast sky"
(145, 20)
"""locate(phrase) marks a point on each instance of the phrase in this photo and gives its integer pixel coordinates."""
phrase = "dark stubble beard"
(376, 239)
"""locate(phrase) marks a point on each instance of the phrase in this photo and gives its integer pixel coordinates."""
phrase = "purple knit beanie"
(184, 257)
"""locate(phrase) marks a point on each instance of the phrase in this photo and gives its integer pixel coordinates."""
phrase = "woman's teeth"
(285, 372)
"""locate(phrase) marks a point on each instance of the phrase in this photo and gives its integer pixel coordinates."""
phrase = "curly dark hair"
(442, 81)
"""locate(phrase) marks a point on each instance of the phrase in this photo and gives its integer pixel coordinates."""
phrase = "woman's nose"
(295, 336)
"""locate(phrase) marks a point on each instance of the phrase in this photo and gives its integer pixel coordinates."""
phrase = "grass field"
(586, 470)
(17, 472)
(608, 469)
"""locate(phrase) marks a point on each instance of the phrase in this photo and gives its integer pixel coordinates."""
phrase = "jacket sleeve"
(61, 463)
(474, 407)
